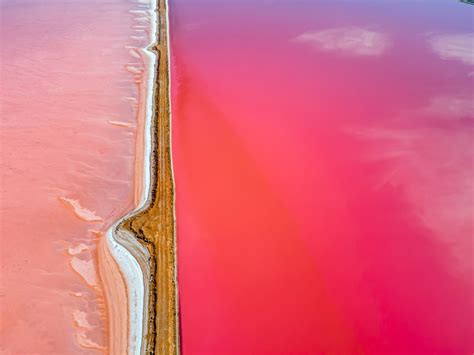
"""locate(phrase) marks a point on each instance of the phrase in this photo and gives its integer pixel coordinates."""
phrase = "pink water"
(67, 69)
(324, 182)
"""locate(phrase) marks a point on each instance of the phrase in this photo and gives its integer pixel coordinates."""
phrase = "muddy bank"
(154, 225)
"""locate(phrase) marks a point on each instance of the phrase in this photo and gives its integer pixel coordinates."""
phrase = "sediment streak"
(142, 246)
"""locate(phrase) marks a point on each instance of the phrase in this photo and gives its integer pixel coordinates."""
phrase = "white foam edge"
(127, 263)
(134, 279)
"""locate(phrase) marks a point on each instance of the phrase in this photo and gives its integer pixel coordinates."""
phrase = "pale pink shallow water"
(323, 159)
(67, 172)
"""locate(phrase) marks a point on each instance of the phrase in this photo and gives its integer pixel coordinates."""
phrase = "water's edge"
(136, 241)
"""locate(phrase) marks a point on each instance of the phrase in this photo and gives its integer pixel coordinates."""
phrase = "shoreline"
(142, 243)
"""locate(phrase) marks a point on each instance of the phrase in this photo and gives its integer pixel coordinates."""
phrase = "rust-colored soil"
(155, 225)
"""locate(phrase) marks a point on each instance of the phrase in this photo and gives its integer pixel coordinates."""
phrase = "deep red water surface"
(324, 163)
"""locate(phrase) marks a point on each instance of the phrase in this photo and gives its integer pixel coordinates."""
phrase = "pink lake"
(324, 163)
(323, 160)
(71, 77)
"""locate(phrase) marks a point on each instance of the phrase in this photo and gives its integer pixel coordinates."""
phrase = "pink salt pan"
(323, 156)
(67, 173)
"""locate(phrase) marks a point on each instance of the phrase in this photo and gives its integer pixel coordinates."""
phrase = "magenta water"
(324, 164)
